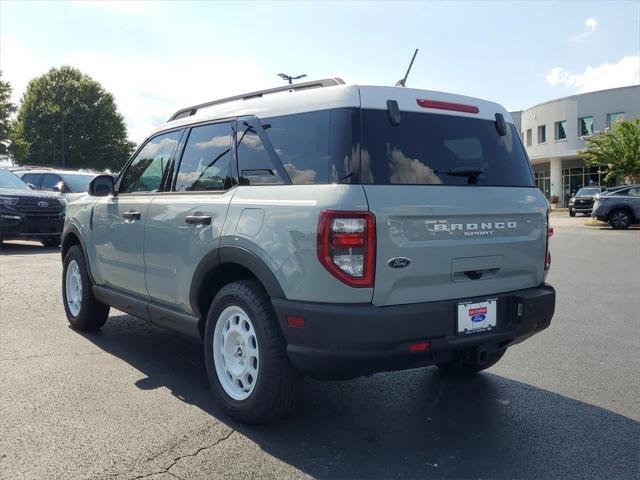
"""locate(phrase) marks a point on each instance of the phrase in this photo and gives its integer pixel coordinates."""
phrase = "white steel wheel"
(236, 353)
(73, 288)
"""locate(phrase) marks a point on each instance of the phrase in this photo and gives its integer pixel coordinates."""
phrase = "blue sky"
(158, 57)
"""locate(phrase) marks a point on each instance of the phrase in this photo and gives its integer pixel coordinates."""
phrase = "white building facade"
(555, 132)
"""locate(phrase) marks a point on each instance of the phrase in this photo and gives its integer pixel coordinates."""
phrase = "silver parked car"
(319, 229)
(619, 208)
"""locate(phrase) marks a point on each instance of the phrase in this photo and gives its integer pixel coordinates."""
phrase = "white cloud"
(130, 7)
(147, 89)
(623, 73)
(591, 24)
(18, 65)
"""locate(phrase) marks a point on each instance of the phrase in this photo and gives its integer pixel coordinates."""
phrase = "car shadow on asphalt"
(410, 424)
(25, 248)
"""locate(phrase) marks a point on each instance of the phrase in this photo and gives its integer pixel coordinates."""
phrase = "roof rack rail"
(189, 111)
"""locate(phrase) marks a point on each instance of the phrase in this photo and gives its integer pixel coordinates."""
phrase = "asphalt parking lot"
(133, 401)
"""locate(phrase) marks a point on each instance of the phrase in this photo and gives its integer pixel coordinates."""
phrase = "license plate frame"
(477, 316)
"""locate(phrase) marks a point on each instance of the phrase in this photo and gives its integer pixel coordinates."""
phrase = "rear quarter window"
(314, 147)
(436, 149)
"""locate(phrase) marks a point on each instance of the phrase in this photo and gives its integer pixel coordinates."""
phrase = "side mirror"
(101, 186)
(31, 186)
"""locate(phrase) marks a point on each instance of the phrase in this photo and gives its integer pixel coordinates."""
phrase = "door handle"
(131, 216)
(198, 219)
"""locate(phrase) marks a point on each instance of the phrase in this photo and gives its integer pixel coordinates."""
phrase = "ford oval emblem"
(478, 317)
(43, 204)
(399, 262)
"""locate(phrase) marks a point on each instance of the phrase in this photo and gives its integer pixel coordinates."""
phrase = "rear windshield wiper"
(472, 174)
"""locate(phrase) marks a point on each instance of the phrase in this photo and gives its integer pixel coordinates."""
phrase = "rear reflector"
(549, 231)
(295, 321)
(419, 347)
(455, 107)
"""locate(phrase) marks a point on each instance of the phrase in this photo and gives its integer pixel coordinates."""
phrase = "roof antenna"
(403, 82)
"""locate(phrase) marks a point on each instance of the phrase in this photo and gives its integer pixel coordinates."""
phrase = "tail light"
(547, 255)
(347, 246)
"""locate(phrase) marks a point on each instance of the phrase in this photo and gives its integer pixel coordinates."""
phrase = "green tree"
(619, 149)
(67, 119)
(6, 109)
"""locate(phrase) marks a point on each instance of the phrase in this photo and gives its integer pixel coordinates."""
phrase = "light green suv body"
(366, 221)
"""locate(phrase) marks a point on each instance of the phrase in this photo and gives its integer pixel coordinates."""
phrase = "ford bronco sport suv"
(321, 229)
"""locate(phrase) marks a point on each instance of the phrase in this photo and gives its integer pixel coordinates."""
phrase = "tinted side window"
(314, 147)
(206, 161)
(302, 143)
(256, 164)
(49, 181)
(32, 178)
(145, 173)
(634, 192)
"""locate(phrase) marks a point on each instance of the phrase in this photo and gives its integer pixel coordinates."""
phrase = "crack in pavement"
(51, 355)
(182, 457)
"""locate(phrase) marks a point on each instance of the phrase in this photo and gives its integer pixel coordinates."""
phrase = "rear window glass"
(432, 149)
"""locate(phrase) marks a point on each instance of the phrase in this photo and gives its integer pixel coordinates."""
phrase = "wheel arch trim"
(232, 255)
(69, 230)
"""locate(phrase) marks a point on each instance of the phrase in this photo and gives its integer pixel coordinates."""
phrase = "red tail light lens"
(347, 246)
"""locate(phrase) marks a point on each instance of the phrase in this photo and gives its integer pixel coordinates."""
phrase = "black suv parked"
(29, 215)
(582, 202)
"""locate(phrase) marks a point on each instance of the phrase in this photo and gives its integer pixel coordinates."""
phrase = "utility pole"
(60, 95)
(291, 78)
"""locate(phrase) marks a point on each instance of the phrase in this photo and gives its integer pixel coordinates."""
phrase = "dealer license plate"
(476, 317)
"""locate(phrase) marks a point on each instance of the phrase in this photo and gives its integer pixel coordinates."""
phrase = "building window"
(612, 118)
(529, 137)
(561, 130)
(542, 133)
(543, 181)
(585, 126)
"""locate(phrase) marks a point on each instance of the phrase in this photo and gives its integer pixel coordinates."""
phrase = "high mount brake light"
(455, 107)
(347, 246)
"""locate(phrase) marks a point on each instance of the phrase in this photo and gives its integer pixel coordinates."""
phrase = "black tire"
(468, 364)
(51, 242)
(92, 313)
(620, 219)
(275, 390)
(572, 213)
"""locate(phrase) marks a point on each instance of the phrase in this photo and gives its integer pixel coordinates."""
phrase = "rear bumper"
(349, 340)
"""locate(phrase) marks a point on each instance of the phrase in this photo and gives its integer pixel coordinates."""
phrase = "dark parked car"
(620, 208)
(582, 202)
(29, 215)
